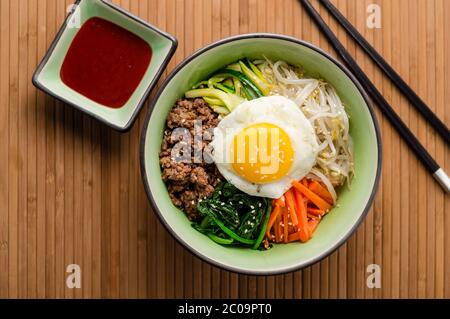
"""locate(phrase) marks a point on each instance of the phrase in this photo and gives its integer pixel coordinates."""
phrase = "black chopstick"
(388, 111)
(409, 93)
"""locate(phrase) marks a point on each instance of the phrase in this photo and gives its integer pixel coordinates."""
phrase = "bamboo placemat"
(71, 191)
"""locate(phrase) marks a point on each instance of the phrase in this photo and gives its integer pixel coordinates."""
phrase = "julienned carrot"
(293, 207)
(275, 212)
(302, 216)
(280, 201)
(317, 188)
(293, 237)
(281, 218)
(285, 225)
(290, 203)
(316, 199)
(278, 229)
(311, 216)
(278, 205)
(316, 212)
(313, 223)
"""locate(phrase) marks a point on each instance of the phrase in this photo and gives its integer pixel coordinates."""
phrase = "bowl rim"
(143, 139)
(138, 107)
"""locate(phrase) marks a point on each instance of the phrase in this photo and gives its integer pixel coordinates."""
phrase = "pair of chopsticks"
(428, 161)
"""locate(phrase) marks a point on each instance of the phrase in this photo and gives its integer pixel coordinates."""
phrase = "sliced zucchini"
(263, 87)
(230, 100)
(243, 78)
(213, 101)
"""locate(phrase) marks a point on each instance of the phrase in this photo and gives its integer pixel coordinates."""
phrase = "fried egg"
(263, 145)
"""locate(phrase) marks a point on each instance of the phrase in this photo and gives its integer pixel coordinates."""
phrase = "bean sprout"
(321, 104)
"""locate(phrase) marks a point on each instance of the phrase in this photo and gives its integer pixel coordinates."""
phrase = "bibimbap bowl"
(353, 203)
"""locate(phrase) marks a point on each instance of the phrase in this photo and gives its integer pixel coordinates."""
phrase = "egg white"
(276, 110)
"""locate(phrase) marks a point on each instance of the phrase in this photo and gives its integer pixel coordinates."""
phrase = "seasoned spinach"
(231, 216)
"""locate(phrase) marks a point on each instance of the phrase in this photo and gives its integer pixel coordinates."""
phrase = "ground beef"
(191, 179)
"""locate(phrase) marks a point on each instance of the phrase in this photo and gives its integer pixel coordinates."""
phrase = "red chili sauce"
(105, 62)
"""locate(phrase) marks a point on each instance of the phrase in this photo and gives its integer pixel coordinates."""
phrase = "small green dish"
(352, 205)
(47, 75)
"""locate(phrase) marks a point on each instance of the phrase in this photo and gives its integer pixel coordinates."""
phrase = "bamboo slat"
(71, 191)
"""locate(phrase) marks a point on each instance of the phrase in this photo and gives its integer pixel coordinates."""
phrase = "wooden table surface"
(71, 191)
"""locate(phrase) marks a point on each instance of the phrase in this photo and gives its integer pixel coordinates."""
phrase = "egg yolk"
(262, 153)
